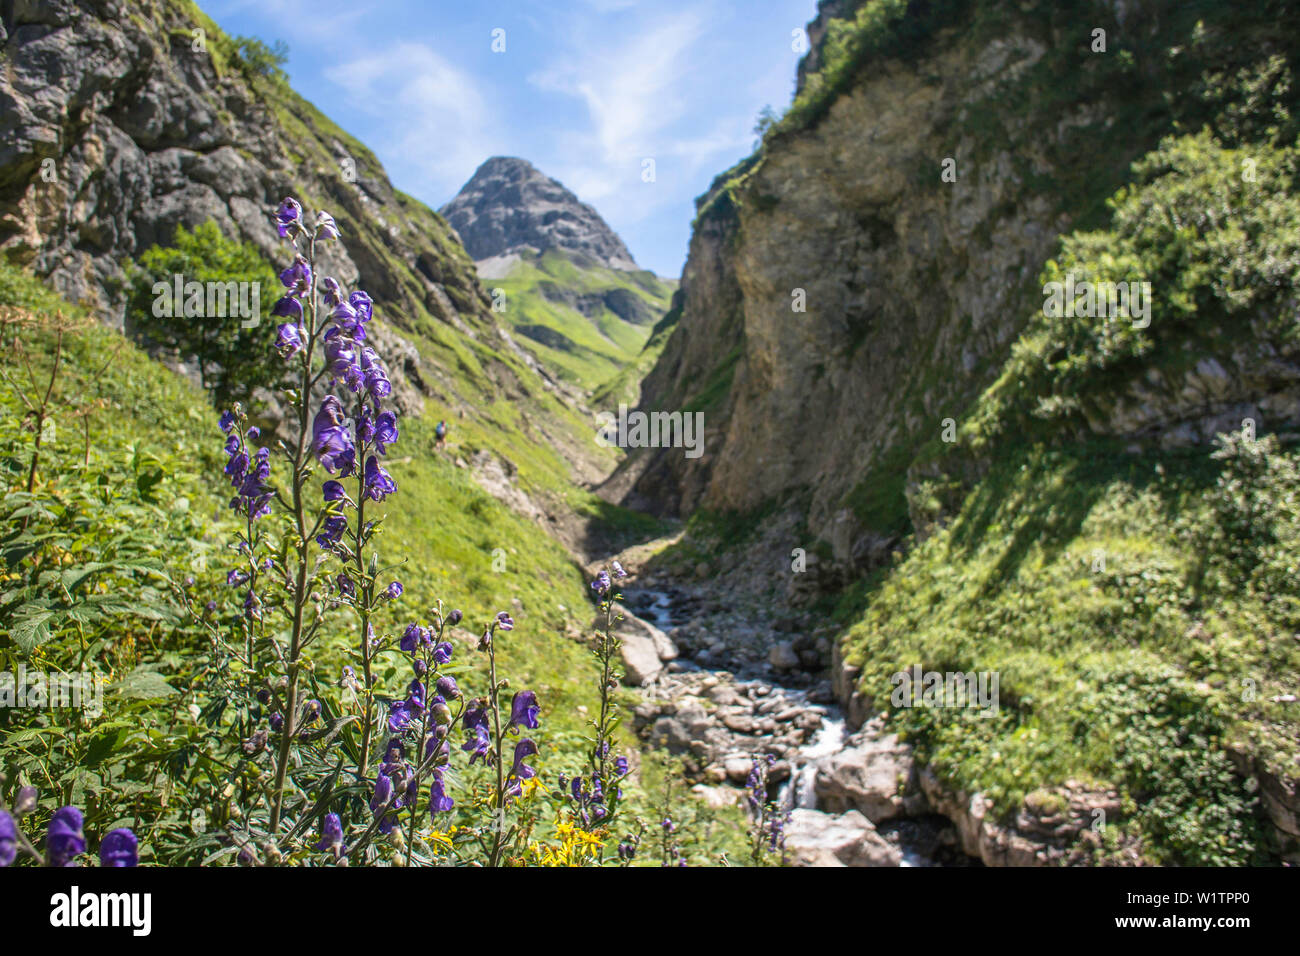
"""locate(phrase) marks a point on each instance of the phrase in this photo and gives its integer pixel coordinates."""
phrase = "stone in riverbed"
(813, 838)
(645, 648)
(783, 657)
(868, 776)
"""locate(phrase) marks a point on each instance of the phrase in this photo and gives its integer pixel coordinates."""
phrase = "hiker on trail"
(440, 432)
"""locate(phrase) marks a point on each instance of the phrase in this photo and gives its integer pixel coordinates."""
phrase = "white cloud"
(436, 120)
(639, 86)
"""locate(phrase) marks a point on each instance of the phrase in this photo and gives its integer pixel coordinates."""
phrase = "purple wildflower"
(289, 340)
(296, 277)
(523, 711)
(64, 840)
(439, 802)
(8, 839)
(288, 217)
(287, 307)
(119, 849)
(378, 483)
(331, 835)
(331, 442)
(326, 228)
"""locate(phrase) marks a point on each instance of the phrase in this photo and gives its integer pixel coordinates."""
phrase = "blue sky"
(586, 90)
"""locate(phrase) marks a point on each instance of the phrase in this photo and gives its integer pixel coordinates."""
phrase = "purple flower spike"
(119, 848)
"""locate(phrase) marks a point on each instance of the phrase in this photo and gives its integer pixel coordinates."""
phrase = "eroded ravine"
(714, 692)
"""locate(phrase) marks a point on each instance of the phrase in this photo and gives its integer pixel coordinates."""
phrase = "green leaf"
(30, 628)
(143, 684)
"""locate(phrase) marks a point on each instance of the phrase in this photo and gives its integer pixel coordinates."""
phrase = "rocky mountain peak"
(508, 204)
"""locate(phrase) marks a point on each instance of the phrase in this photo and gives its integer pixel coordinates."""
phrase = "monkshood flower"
(287, 307)
(383, 432)
(442, 653)
(504, 621)
(296, 277)
(520, 771)
(332, 532)
(331, 835)
(523, 711)
(438, 746)
(119, 849)
(363, 306)
(374, 376)
(618, 569)
(601, 584)
(414, 637)
(64, 840)
(439, 802)
(330, 291)
(331, 441)
(340, 354)
(326, 228)
(393, 591)
(478, 744)
(378, 483)
(447, 688)
(289, 339)
(8, 838)
(227, 421)
(288, 217)
(384, 793)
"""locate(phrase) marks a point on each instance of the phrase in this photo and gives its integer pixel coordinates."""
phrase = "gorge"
(850, 442)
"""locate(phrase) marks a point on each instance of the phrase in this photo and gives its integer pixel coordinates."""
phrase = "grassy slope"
(1135, 649)
(588, 350)
(1140, 608)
